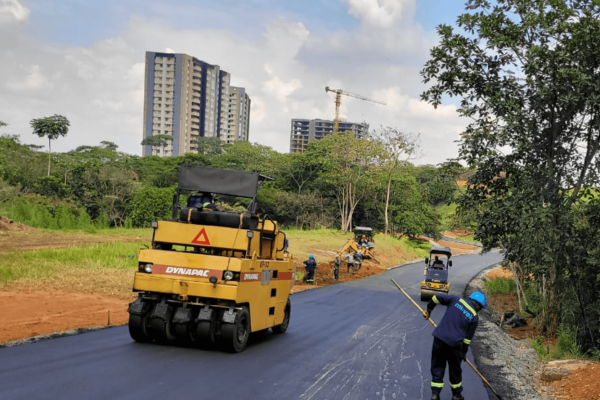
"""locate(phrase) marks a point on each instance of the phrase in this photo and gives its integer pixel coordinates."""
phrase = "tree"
(245, 156)
(151, 204)
(161, 141)
(20, 166)
(209, 145)
(298, 169)
(51, 127)
(347, 170)
(527, 74)
(398, 147)
(109, 145)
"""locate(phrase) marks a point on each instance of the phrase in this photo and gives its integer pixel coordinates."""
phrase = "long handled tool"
(435, 326)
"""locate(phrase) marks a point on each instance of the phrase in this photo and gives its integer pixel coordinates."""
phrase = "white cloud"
(285, 70)
(34, 80)
(378, 13)
(281, 89)
(13, 11)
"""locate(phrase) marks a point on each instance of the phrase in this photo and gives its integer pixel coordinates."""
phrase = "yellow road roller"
(210, 277)
(436, 272)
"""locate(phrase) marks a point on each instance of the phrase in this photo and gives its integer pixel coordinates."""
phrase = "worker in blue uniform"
(451, 339)
(310, 266)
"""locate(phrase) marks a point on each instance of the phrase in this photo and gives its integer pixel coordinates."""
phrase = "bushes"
(500, 286)
(565, 347)
(150, 204)
(40, 213)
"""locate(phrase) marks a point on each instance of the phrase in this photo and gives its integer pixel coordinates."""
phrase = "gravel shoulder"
(509, 365)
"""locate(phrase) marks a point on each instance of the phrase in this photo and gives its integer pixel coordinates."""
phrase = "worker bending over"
(451, 339)
(310, 266)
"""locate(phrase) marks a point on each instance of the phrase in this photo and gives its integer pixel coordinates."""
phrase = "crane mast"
(338, 101)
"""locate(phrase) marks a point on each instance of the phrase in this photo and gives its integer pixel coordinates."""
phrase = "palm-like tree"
(52, 127)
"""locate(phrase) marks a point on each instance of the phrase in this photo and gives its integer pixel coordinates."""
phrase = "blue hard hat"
(311, 256)
(478, 297)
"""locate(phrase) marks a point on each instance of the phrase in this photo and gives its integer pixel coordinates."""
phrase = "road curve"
(359, 340)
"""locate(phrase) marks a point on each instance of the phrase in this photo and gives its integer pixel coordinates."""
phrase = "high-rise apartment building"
(188, 99)
(239, 115)
(305, 130)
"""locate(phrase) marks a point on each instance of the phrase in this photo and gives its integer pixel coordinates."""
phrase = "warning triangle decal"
(201, 238)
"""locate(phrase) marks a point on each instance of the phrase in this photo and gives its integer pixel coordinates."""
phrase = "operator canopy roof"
(440, 250)
(220, 181)
(363, 228)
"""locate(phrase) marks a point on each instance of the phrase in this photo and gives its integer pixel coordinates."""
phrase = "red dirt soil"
(324, 274)
(38, 313)
(581, 384)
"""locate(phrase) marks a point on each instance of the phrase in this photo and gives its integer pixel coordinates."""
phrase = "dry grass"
(325, 243)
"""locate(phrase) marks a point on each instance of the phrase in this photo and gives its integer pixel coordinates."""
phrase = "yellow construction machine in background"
(212, 277)
(436, 272)
(363, 241)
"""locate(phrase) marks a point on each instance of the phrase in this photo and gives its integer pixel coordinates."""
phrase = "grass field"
(105, 268)
(108, 268)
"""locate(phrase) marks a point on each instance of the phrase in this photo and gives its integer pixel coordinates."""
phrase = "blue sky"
(84, 59)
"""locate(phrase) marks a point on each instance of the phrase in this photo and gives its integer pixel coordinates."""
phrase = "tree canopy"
(51, 127)
(526, 73)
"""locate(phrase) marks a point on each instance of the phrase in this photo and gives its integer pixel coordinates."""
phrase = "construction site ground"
(35, 308)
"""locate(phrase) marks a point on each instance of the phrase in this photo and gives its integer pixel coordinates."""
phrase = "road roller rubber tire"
(205, 334)
(138, 328)
(183, 334)
(162, 331)
(234, 337)
(286, 319)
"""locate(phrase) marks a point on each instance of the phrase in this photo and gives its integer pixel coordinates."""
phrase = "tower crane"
(338, 95)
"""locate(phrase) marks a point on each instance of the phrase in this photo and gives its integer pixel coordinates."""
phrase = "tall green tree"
(347, 170)
(398, 148)
(209, 145)
(161, 141)
(298, 169)
(51, 127)
(527, 75)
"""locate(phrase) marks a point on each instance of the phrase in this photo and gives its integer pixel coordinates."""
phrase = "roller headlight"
(148, 268)
(228, 275)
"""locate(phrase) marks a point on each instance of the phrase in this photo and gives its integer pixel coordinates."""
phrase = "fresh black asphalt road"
(359, 340)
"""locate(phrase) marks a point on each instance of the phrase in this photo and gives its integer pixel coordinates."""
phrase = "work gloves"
(465, 350)
(426, 314)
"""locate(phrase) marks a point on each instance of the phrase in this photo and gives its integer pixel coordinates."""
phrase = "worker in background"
(208, 203)
(310, 266)
(358, 257)
(350, 263)
(451, 339)
(336, 267)
(286, 244)
(202, 201)
(363, 242)
(437, 263)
